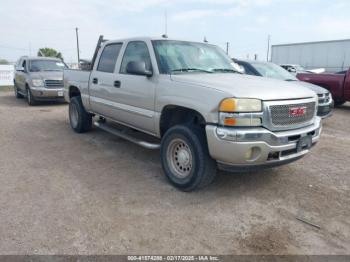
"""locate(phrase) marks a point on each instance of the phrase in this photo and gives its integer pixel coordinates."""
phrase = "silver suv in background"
(39, 79)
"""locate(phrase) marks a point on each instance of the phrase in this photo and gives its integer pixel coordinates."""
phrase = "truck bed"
(75, 77)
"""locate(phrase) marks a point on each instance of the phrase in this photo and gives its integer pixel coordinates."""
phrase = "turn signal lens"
(228, 105)
(230, 121)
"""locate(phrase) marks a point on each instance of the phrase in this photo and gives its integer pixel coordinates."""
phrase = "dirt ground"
(64, 193)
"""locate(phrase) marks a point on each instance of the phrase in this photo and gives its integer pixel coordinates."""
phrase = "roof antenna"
(165, 35)
(205, 40)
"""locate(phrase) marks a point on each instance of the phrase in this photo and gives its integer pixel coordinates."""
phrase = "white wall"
(6, 75)
(332, 55)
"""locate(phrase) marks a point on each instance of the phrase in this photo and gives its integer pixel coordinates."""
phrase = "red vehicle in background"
(338, 84)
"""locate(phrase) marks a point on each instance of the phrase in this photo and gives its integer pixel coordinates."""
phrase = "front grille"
(281, 116)
(324, 98)
(53, 83)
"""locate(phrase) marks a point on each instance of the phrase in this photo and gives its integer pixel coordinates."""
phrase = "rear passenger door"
(101, 82)
(135, 94)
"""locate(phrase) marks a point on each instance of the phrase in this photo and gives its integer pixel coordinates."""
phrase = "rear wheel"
(185, 158)
(80, 120)
(30, 98)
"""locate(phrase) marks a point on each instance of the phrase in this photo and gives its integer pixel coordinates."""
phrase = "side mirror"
(20, 68)
(138, 68)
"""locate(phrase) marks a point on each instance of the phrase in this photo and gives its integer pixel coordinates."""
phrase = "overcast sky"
(25, 26)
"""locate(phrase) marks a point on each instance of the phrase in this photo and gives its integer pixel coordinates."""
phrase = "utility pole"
(76, 32)
(165, 35)
(227, 47)
(268, 48)
(166, 22)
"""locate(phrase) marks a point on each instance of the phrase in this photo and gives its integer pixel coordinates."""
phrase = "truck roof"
(147, 38)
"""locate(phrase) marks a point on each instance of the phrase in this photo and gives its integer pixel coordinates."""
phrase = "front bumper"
(257, 147)
(42, 93)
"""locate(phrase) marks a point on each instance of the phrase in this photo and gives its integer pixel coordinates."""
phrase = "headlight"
(37, 82)
(237, 105)
(240, 112)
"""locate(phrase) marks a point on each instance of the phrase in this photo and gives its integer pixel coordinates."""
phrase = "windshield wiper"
(226, 70)
(190, 70)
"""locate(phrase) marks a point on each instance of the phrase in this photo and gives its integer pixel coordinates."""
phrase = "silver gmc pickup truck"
(187, 99)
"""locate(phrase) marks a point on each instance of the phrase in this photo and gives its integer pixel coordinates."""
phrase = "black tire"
(339, 103)
(17, 95)
(30, 98)
(203, 168)
(80, 120)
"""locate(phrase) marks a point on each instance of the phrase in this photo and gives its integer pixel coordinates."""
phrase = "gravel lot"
(64, 193)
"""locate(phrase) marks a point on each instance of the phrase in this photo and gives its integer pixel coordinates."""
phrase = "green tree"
(49, 52)
(4, 62)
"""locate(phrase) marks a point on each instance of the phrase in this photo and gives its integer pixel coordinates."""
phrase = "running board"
(126, 136)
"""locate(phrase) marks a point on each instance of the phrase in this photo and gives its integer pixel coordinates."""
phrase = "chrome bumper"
(47, 93)
(249, 147)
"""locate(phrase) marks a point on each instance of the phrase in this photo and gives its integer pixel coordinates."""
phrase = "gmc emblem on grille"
(297, 111)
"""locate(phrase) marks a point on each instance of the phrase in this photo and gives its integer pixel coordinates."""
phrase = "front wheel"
(30, 98)
(185, 158)
(80, 120)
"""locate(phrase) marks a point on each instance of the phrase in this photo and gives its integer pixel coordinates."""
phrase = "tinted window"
(136, 52)
(109, 58)
(24, 65)
(46, 65)
(247, 69)
(272, 71)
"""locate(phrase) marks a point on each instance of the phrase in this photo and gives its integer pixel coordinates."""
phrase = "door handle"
(117, 84)
(95, 81)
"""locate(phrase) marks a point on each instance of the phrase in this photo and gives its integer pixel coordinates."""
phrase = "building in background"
(334, 56)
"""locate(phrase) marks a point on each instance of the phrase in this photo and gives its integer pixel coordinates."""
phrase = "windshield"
(273, 71)
(46, 65)
(299, 68)
(184, 57)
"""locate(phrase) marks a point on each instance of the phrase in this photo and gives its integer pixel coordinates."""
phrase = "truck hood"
(52, 75)
(315, 88)
(246, 86)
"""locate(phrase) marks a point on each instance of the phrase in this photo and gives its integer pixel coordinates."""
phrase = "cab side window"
(109, 58)
(24, 65)
(136, 51)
